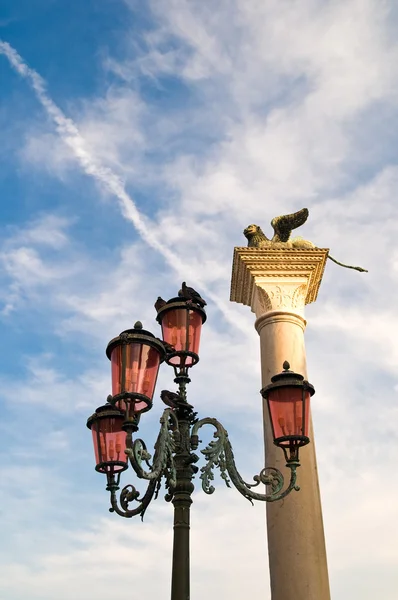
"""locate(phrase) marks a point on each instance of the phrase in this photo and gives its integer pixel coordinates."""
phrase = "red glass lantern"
(288, 398)
(109, 439)
(135, 357)
(181, 323)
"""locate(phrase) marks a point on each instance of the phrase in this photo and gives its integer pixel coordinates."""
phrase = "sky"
(138, 140)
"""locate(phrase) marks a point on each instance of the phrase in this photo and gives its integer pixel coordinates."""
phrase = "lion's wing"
(283, 225)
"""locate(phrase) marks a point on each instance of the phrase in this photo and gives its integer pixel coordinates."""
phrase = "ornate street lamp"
(135, 357)
(288, 399)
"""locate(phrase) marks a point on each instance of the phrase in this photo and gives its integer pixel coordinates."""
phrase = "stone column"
(277, 283)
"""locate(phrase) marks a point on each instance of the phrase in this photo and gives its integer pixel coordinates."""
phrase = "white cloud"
(43, 385)
(32, 258)
(42, 149)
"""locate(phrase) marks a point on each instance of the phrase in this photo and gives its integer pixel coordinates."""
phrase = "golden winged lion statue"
(283, 227)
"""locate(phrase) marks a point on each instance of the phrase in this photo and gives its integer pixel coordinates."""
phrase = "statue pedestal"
(277, 283)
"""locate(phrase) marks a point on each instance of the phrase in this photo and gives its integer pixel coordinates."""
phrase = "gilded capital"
(277, 279)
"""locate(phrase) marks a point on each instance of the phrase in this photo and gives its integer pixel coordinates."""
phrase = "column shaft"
(296, 543)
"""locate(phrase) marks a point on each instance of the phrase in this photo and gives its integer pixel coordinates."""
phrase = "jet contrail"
(111, 182)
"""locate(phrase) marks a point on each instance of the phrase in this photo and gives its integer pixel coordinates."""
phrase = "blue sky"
(164, 128)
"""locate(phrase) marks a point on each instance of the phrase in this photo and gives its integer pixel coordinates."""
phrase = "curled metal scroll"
(130, 494)
(219, 453)
(163, 462)
(162, 466)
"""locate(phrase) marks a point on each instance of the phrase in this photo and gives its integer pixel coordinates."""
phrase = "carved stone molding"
(281, 297)
(277, 279)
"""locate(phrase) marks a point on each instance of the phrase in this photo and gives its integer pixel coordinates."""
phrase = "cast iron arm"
(219, 453)
(162, 466)
(163, 462)
(130, 494)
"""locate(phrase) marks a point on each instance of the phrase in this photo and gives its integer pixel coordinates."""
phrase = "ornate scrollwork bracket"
(219, 453)
(162, 466)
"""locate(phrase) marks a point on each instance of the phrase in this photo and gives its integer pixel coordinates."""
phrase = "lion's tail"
(348, 266)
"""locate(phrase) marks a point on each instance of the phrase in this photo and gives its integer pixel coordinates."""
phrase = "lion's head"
(251, 230)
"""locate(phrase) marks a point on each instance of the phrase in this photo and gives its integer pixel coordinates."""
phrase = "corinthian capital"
(277, 279)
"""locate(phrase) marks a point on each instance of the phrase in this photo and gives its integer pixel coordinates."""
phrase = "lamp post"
(135, 357)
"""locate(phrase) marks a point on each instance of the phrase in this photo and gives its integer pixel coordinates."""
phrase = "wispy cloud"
(71, 136)
(104, 175)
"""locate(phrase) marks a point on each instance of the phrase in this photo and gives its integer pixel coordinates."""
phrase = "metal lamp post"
(135, 357)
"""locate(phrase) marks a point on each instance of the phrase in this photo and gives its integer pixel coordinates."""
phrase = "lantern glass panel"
(139, 372)
(181, 328)
(289, 414)
(109, 443)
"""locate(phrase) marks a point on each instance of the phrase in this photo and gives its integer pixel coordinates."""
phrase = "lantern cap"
(287, 378)
(105, 411)
(180, 303)
(287, 373)
(136, 335)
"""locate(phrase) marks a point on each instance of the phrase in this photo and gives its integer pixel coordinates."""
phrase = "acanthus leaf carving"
(299, 296)
(269, 296)
(263, 299)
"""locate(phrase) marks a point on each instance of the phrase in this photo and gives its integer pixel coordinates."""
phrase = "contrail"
(111, 182)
